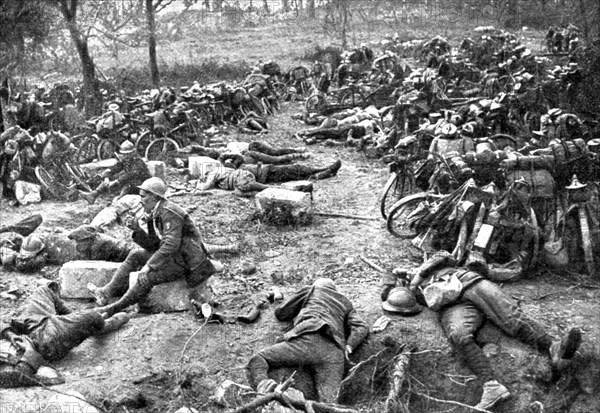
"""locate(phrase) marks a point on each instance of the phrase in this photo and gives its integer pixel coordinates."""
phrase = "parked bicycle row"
(485, 149)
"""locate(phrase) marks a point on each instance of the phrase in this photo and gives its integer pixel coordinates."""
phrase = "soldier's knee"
(135, 256)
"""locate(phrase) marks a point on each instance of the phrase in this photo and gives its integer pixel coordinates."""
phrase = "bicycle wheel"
(397, 220)
(351, 97)
(202, 118)
(106, 149)
(51, 184)
(281, 91)
(315, 104)
(159, 149)
(87, 150)
(142, 142)
(398, 185)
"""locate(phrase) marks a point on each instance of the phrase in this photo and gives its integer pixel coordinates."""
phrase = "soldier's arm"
(290, 308)
(359, 329)
(171, 240)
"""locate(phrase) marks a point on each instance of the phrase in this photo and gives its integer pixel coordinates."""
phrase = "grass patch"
(181, 74)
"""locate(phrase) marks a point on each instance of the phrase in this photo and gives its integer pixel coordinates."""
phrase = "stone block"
(60, 249)
(281, 206)
(75, 275)
(158, 169)
(302, 186)
(171, 297)
(199, 166)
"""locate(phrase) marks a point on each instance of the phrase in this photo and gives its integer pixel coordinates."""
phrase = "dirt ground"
(144, 368)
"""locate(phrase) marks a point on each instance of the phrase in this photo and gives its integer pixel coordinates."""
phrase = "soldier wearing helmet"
(464, 299)
(129, 172)
(31, 256)
(170, 249)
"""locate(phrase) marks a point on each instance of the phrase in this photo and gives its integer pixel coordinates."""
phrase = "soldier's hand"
(132, 223)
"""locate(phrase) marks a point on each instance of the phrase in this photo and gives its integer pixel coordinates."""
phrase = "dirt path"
(144, 360)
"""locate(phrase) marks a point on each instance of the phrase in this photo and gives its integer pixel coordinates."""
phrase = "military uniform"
(172, 249)
(51, 326)
(325, 322)
(101, 247)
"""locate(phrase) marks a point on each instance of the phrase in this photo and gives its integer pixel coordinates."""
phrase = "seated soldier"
(461, 317)
(129, 172)
(327, 329)
(47, 330)
(246, 180)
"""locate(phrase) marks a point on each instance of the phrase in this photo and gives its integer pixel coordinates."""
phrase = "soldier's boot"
(100, 295)
(114, 323)
(563, 350)
(131, 297)
(493, 392)
(327, 172)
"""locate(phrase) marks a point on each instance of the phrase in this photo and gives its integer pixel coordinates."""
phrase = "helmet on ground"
(126, 147)
(401, 301)
(31, 246)
(155, 186)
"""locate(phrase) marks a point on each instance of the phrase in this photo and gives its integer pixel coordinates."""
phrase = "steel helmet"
(155, 186)
(31, 246)
(401, 301)
(126, 147)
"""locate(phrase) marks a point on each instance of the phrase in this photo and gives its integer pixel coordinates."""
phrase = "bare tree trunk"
(285, 5)
(5, 119)
(310, 7)
(598, 18)
(152, 43)
(217, 5)
(92, 99)
(344, 20)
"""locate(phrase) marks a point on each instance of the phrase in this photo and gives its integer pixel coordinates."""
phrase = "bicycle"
(409, 151)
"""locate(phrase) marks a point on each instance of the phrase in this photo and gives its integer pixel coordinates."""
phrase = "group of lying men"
(326, 327)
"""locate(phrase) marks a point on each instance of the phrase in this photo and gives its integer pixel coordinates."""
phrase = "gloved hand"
(385, 292)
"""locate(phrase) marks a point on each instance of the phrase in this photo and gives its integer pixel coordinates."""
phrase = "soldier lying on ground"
(462, 316)
(327, 329)
(93, 245)
(252, 152)
(171, 249)
(30, 257)
(345, 125)
(129, 172)
(246, 180)
(46, 331)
